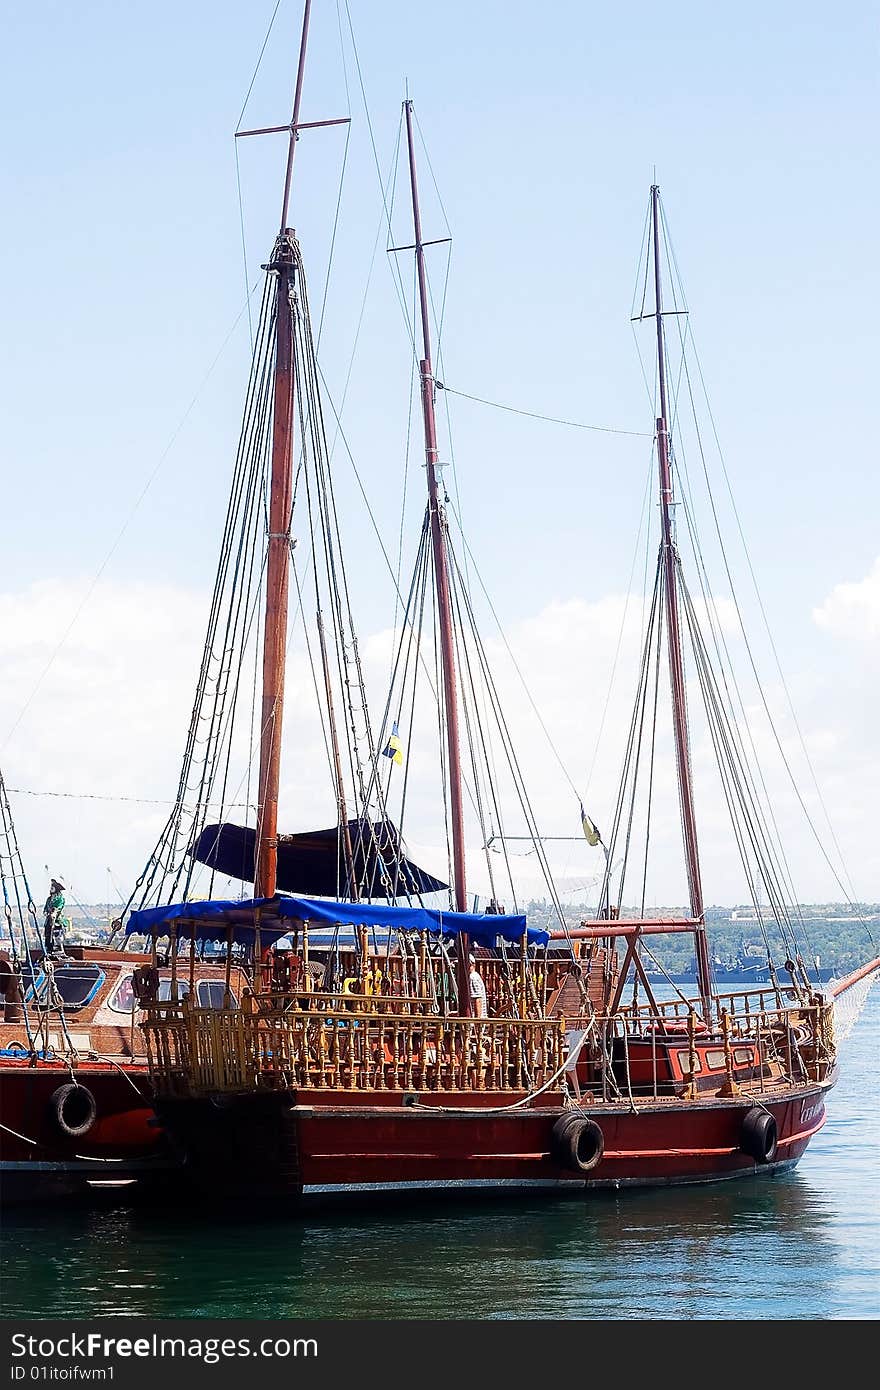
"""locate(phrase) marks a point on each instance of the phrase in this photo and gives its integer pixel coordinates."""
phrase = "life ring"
(577, 1142)
(759, 1135)
(145, 983)
(73, 1109)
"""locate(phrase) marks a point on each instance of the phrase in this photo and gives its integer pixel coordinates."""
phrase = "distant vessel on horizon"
(741, 973)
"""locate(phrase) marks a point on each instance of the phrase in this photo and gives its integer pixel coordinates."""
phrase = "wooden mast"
(441, 572)
(280, 503)
(676, 664)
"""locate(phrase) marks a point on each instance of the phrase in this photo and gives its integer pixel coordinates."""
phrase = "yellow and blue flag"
(592, 834)
(394, 748)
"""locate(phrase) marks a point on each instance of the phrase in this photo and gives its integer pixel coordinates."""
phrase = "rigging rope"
(232, 613)
(395, 269)
(95, 796)
(535, 415)
(124, 527)
(685, 334)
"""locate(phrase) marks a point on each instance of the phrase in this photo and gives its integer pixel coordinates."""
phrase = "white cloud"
(108, 717)
(111, 713)
(853, 609)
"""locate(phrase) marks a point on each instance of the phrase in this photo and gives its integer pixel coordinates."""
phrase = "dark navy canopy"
(313, 861)
(209, 921)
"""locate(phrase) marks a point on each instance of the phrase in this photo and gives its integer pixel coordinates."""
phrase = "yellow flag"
(394, 748)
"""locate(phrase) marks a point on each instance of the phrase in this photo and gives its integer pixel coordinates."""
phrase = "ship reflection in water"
(802, 1245)
(653, 1254)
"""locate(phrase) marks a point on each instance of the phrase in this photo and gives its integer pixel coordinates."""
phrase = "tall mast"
(441, 572)
(280, 503)
(676, 664)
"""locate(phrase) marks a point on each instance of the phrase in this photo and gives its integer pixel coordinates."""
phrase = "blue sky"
(122, 276)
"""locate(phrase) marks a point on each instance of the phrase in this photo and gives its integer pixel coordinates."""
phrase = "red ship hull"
(98, 1046)
(125, 1147)
(305, 1148)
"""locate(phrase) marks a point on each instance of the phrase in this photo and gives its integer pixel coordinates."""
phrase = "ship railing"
(744, 1051)
(760, 999)
(202, 1051)
(270, 1002)
(756, 1001)
(197, 1051)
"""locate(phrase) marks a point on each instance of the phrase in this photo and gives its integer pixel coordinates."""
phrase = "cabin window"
(78, 984)
(714, 1058)
(122, 998)
(210, 994)
(684, 1061)
(164, 995)
(743, 1056)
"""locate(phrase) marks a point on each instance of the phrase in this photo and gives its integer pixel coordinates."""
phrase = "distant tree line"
(841, 945)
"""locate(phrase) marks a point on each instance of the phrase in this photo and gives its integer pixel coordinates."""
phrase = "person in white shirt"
(477, 989)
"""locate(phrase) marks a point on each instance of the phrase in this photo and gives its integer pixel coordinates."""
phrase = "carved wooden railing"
(342, 1043)
(194, 1051)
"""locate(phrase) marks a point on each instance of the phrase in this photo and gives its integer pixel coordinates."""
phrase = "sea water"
(804, 1245)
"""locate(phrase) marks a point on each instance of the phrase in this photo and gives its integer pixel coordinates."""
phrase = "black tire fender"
(73, 1109)
(577, 1142)
(759, 1135)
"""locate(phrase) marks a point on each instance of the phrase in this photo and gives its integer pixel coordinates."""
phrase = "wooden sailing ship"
(381, 1042)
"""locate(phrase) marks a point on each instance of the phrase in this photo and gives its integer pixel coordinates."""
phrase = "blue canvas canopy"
(210, 920)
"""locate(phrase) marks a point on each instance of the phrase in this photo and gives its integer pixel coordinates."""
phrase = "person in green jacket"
(53, 926)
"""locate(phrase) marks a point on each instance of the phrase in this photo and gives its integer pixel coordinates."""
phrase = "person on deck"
(54, 923)
(477, 989)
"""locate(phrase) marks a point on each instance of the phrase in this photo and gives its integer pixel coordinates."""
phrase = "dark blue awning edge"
(211, 920)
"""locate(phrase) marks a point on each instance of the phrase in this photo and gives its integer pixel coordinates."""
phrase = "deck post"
(730, 1088)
